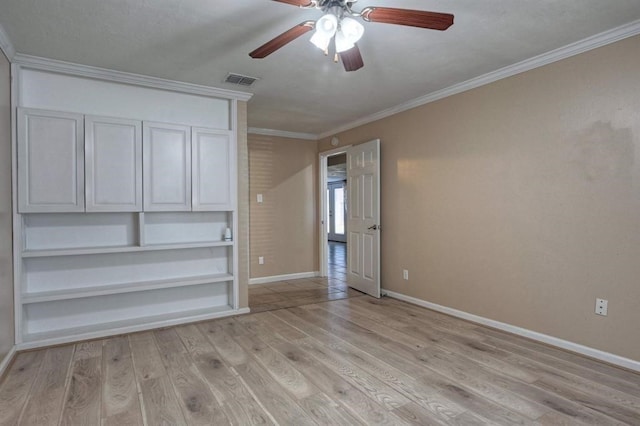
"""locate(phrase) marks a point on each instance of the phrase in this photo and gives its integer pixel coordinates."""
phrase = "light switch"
(259, 198)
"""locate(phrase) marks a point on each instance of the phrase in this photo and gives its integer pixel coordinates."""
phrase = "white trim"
(607, 37)
(530, 334)
(282, 133)
(127, 329)
(17, 219)
(5, 45)
(274, 278)
(52, 65)
(7, 360)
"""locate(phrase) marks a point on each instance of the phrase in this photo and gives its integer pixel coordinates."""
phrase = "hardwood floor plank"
(273, 324)
(325, 411)
(120, 403)
(17, 384)
(413, 337)
(281, 406)
(426, 396)
(546, 372)
(229, 350)
(278, 367)
(146, 357)
(237, 402)
(597, 403)
(47, 396)
(159, 402)
(484, 408)
(382, 347)
(83, 400)
(198, 404)
(557, 419)
(335, 386)
(630, 384)
(609, 375)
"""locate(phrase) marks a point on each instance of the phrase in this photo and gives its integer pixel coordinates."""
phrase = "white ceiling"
(301, 90)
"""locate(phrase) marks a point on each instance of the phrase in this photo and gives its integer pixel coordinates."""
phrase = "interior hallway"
(290, 293)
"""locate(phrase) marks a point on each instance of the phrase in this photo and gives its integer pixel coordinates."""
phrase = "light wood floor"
(353, 361)
(299, 292)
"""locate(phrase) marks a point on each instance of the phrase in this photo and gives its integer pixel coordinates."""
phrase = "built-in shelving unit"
(69, 286)
(120, 218)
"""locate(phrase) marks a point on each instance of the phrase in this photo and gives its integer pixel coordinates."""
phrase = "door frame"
(322, 214)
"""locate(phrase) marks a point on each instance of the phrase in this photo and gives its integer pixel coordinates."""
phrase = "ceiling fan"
(338, 23)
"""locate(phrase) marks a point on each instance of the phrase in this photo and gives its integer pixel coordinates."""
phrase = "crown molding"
(282, 133)
(52, 65)
(6, 45)
(607, 37)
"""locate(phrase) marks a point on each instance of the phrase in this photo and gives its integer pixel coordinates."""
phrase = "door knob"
(373, 227)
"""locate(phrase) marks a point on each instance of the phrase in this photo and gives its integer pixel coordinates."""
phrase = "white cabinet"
(113, 164)
(167, 167)
(50, 161)
(72, 163)
(213, 162)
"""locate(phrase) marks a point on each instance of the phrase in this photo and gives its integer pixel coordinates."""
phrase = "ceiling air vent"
(240, 80)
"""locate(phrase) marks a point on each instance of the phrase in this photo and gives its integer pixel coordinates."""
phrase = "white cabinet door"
(213, 168)
(50, 161)
(113, 164)
(167, 167)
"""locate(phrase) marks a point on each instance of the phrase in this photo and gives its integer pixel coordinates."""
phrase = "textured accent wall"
(243, 206)
(283, 227)
(519, 201)
(6, 213)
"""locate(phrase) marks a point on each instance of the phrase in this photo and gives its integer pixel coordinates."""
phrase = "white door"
(363, 225)
(336, 225)
(167, 167)
(50, 161)
(113, 165)
(213, 167)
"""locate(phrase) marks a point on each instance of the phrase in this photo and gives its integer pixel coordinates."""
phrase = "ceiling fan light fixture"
(327, 25)
(326, 28)
(351, 29)
(342, 42)
(320, 41)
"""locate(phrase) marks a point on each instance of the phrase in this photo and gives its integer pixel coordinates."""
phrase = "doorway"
(337, 213)
(333, 223)
(362, 224)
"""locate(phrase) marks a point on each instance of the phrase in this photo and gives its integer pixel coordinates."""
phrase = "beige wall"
(520, 200)
(283, 227)
(243, 207)
(6, 259)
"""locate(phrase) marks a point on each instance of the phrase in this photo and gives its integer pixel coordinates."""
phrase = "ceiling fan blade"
(286, 37)
(412, 18)
(352, 59)
(301, 3)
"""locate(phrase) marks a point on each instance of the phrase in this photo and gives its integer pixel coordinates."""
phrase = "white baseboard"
(274, 278)
(7, 360)
(534, 335)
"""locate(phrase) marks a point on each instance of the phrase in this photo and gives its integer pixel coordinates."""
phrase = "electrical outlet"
(405, 274)
(259, 198)
(261, 260)
(601, 307)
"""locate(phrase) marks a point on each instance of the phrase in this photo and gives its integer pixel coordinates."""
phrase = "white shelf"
(121, 249)
(49, 296)
(124, 326)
